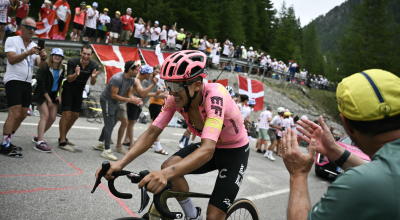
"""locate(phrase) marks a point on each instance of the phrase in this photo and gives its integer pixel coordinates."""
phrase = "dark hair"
(128, 65)
(373, 128)
(296, 118)
(244, 98)
(86, 46)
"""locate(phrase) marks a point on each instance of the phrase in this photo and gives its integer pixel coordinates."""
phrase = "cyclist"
(212, 115)
(78, 72)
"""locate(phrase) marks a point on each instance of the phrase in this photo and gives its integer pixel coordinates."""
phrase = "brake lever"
(105, 166)
(144, 200)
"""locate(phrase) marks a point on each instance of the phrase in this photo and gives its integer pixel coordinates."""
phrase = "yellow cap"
(287, 114)
(369, 96)
(117, 12)
(105, 9)
(88, 6)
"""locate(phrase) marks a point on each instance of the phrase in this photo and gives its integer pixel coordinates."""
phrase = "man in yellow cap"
(369, 103)
(115, 28)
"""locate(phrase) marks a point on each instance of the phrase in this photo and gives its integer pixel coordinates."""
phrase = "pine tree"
(251, 27)
(367, 43)
(265, 14)
(312, 56)
(230, 24)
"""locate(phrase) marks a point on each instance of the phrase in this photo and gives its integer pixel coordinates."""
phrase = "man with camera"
(22, 54)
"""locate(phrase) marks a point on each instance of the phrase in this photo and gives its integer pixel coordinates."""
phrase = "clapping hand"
(77, 70)
(134, 100)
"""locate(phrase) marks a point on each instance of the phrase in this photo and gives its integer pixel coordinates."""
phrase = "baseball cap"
(242, 47)
(292, 112)
(156, 22)
(117, 12)
(251, 48)
(128, 9)
(280, 109)
(47, 1)
(369, 95)
(105, 9)
(83, 3)
(95, 4)
(146, 69)
(287, 114)
(251, 102)
(88, 6)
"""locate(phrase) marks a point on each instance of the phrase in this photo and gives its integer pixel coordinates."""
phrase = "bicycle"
(159, 209)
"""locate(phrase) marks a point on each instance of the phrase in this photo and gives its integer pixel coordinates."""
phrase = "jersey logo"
(228, 202)
(220, 173)
(206, 94)
(218, 110)
(234, 126)
(216, 100)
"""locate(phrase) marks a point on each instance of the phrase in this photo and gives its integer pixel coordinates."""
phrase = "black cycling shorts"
(77, 26)
(101, 34)
(154, 110)
(133, 111)
(18, 93)
(71, 100)
(231, 164)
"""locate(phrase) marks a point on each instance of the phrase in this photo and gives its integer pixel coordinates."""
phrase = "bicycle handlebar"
(136, 178)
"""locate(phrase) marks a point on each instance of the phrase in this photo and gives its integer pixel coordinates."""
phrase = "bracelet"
(339, 162)
(43, 59)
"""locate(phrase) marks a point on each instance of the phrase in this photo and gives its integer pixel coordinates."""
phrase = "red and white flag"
(154, 58)
(253, 89)
(113, 58)
(49, 26)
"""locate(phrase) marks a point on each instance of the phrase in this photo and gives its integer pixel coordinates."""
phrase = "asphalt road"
(57, 185)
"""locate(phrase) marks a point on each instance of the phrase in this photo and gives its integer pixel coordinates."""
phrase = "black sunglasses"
(29, 27)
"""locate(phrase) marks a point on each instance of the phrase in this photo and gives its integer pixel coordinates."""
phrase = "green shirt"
(370, 191)
(181, 36)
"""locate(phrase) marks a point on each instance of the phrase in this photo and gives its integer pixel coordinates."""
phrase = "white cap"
(129, 9)
(251, 48)
(47, 1)
(261, 54)
(242, 47)
(95, 4)
(304, 117)
(156, 22)
(268, 56)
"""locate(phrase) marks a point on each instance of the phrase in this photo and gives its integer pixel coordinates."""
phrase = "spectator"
(172, 37)
(244, 110)
(163, 36)
(186, 41)
(364, 190)
(146, 32)
(250, 54)
(63, 11)
(227, 45)
(79, 21)
(203, 44)
(274, 127)
(195, 42)
(264, 119)
(274, 65)
(104, 21)
(231, 50)
(238, 53)
(292, 71)
(303, 73)
(155, 34)
(47, 96)
(138, 35)
(179, 39)
(128, 24)
(115, 28)
(79, 70)
(17, 80)
(332, 130)
(22, 12)
(45, 11)
(3, 18)
(91, 21)
(244, 53)
(109, 101)
(209, 46)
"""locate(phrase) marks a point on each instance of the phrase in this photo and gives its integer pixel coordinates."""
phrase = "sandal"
(127, 144)
(162, 151)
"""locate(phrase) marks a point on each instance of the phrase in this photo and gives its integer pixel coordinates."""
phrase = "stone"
(4, 61)
(2, 68)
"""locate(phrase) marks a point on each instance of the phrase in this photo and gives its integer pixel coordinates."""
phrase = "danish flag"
(253, 89)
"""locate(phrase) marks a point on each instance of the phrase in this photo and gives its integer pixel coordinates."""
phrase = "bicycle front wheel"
(242, 209)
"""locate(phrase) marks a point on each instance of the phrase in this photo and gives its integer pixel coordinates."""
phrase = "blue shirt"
(56, 76)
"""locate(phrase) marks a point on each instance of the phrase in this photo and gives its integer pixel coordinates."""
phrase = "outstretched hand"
(95, 73)
(296, 162)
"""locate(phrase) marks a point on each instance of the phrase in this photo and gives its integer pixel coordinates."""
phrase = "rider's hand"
(296, 162)
(324, 141)
(114, 167)
(34, 50)
(156, 182)
(77, 70)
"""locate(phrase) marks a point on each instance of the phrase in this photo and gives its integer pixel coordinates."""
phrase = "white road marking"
(268, 194)
(177, 134)
(56, 126)
(256, 181)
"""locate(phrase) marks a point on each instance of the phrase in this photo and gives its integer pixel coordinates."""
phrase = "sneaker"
(108, 155)
(11, 153)
(271, 157)
(121, 150)
(181, 145)
(66, 147)
(99, 146)
(15, 147)
(259, 151)
(199, 215)
(112, 142)
(68, 142)
(43, 147)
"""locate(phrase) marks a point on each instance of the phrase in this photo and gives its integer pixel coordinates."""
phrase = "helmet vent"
(177, 59)
(182, 68)
(165, 69)
(171, 70)
(196, 70)
(197, 58)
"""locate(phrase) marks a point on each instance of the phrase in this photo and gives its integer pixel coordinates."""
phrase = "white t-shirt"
(146, 32)
(264, 117)
(104, 19)
(62, 12)
(285, 124)
(303, 74)
(23, 70)
(250, 55)
(154, 35)
(276, 121)
(202, 45)
(274, 65)
(172, 33)
(215, 49)
(164, 35)
(3, 10)
(263, 61)
(244, 110)
(91, 22)
(226, 49)
(138, 27)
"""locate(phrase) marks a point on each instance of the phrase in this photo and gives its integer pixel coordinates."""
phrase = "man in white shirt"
(155, 34)
(274, 125)
(274, 65)
(244, 110)
(22, 54)
(303, 73)
(172, 37)
(251, 55)
(202, 45)
(227, 45)
(263, 125)
(92, 15)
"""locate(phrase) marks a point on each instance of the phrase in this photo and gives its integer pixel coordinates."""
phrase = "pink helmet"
(184, 66)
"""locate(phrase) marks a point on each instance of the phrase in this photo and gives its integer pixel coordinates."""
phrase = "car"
(324, 166)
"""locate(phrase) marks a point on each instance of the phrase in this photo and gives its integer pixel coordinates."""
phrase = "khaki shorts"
(125, 35)
(263, 134)
(122, 111)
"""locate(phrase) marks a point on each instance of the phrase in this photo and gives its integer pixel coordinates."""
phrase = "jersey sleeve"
(215, 106)
(167, 112)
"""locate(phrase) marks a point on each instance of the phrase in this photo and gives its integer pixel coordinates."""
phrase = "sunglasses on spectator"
(135, 64)
(176, 87)
(29, 27)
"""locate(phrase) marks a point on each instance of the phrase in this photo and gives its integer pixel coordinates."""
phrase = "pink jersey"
(222, 119)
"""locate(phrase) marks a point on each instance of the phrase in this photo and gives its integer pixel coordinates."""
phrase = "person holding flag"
(63, 17)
